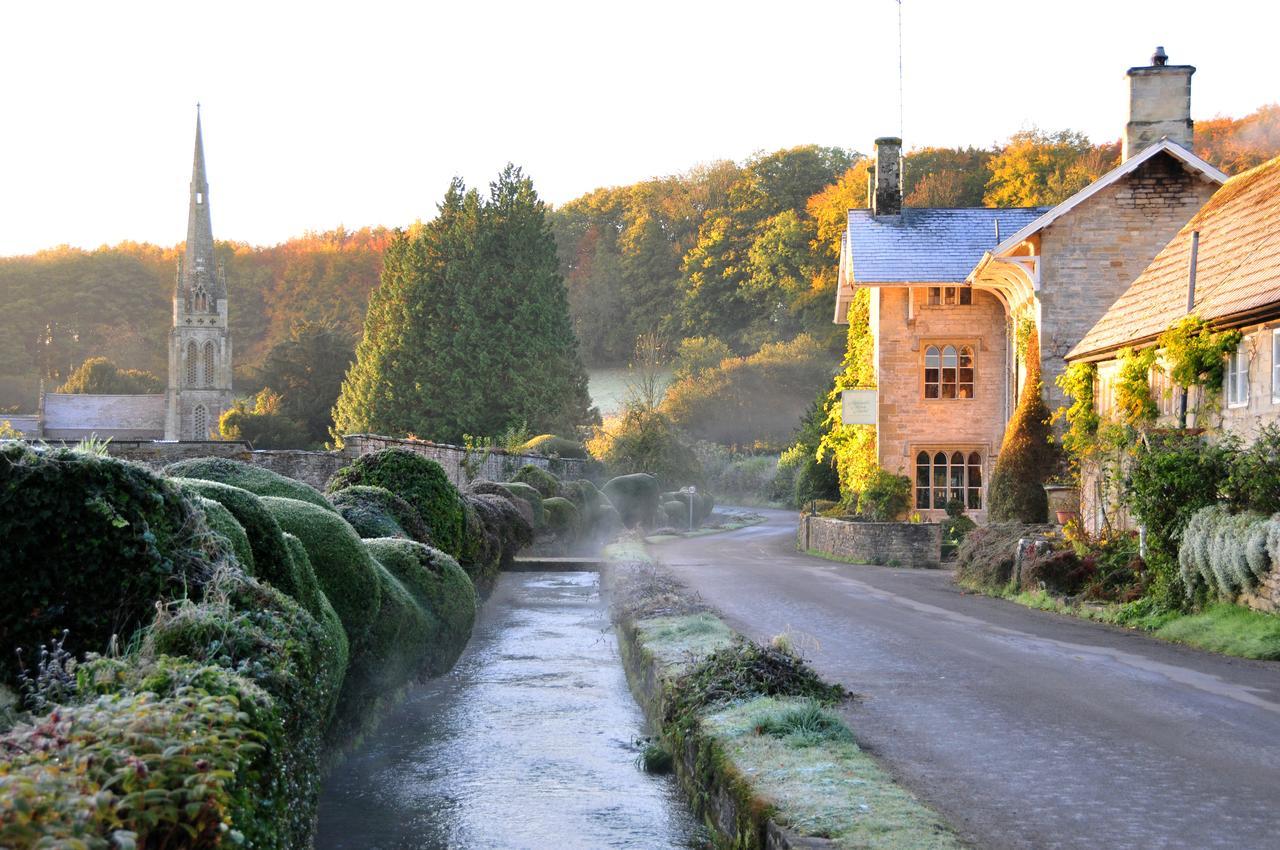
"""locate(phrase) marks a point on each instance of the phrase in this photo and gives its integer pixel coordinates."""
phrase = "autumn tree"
(1037, 168)
(469, 330)
(304, 373)
(99, 376)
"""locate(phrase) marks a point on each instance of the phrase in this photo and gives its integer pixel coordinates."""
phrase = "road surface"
(1025, 729)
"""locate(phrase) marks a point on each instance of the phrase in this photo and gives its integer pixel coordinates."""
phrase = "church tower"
(200, 342)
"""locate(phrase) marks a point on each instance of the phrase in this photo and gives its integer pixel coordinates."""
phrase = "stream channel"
(529, 742)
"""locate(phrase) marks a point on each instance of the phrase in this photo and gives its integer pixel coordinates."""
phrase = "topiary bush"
(377, 512)
(547, 485)
(418, 480)
(676, 513)
(345, 572)
(636, 497)
(255, 479)
(441, 589)
(222, 523)
(1027, 456)
(502, 491)
(514, 530)
(563, 519)
(703, 504)
(90, 544)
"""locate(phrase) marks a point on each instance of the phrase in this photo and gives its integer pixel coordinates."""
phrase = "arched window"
(942, 476)
(193, 354)
(199, 423)
(210, 360)
(948, 372)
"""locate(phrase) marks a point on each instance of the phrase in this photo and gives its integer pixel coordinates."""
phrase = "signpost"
(690, 491)
(858, 407)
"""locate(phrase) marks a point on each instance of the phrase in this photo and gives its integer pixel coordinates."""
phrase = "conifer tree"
(469, 331)
(1027, 457)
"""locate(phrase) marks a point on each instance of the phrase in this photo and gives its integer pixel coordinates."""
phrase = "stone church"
(199, 385)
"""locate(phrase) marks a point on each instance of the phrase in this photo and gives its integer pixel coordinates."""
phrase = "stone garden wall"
(894, 544)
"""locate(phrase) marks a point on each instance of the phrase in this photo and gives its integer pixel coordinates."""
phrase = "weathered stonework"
(895, 544)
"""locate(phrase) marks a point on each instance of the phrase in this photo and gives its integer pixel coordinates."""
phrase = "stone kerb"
(893, 544)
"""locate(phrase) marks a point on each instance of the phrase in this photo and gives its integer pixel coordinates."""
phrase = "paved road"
(1025, 729)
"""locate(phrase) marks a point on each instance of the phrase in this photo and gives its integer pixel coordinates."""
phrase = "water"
(528, 743)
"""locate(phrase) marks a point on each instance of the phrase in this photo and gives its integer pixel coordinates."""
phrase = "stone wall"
(894, 544)
(1092, 254)
(317, 467)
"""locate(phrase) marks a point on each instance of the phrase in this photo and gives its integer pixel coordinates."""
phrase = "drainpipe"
(1191, 304)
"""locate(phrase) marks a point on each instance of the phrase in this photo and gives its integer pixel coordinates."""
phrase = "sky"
(324, 114)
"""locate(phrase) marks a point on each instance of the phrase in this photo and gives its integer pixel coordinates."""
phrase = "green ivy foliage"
(418, 480)
(90, 544)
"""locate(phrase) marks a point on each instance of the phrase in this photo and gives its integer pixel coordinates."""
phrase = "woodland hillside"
(742, 253)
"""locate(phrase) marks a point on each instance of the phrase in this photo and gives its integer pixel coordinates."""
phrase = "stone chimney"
(887, 198)
(1159, 105)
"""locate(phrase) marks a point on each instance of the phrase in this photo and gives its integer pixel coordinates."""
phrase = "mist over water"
(528, 743)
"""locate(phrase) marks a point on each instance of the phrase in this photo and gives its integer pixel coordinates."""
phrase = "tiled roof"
(926, 245)
(1238, 269)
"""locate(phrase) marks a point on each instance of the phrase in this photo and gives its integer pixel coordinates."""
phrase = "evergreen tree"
(1027, 458)
(469, 331)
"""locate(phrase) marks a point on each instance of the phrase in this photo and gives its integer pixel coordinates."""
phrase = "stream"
(529, 742)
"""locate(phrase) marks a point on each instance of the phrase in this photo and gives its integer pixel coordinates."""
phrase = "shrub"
(135, 540)
(271, 560)
(377, 512)
(221, 522)
(886, 497)
(1252, 480)
(553, 446)
(441, 589)
(264, 425)
(1027, 457)
(539, 479)
(1172, 476)
(1224, 554)
(703, 505)
(643, 440)
(345, 572)
(526, 507)
(676, 513)
(418, 480)
(562, 518)
(635, 497)
(531, 497)
(514, 530)
(986, 557)
(255, 479)
(815, 479)
(743, 479)
(1055, 571)
(98, 375)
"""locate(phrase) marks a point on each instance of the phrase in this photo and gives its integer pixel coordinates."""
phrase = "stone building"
(199, 385)
(949, 288)
(1224, 266)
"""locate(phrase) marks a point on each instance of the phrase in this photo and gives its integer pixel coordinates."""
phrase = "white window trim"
(1241, 356)
(1275, 367)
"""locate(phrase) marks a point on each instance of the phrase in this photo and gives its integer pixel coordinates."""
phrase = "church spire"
(201, 283)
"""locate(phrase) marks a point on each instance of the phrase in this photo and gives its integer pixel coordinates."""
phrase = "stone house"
(199, 384)
(949, 288)
(1224, 266)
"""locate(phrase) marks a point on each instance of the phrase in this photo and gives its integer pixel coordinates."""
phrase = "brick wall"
(1092, 254)
(903, 544)
(908, 422)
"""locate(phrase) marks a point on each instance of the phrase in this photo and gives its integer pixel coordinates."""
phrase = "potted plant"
(1064, 499)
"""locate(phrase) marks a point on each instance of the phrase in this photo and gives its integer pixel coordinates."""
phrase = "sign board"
(858, 407)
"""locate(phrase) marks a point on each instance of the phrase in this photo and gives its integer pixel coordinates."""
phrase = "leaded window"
(193, 355)
(210, 361)
(948, 372)
(945, 475)
(199, 423)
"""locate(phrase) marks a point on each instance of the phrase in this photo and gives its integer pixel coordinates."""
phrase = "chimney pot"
(1159, 57)
(887, 198)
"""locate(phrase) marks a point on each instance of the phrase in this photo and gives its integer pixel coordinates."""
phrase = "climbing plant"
(1195, 354)
(1133, 386)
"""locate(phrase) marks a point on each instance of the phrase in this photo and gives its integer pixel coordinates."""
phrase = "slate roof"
(73, 416)
(925, 245)
(1237, 271)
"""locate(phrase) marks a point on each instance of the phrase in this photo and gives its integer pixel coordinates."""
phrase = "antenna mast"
(900, 122)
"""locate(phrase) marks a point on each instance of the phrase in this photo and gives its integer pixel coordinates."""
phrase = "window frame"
(1275, 366)
(1238, 376)
(942, 477)
(948, 296)
(957, 350)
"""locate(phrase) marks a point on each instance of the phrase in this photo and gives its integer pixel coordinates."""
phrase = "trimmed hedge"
(553, 446)
(547, 484)
(223, 524)
(377, 512)
(344, 570)
(441, 588)
(418, 480)
(636, 498)
(515, 531)
(518, 493)
(255, 479)
(89, 544)
(562, 518)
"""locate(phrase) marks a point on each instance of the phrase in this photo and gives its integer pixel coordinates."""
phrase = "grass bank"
(752, 730)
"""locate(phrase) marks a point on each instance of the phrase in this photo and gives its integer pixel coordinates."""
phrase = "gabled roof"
(923, 245)
(1189, 159)
(1237, 270)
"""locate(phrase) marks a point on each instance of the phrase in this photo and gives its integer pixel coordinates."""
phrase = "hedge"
(222, 523)
(515, 531)
(255, 479)
(553, 446)
(377, 512)
(440, 588)
(346, 574)
(418, 480)
(636, 498)
(90, 544)
(562, 518)
(547, 484)
(518, 492)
